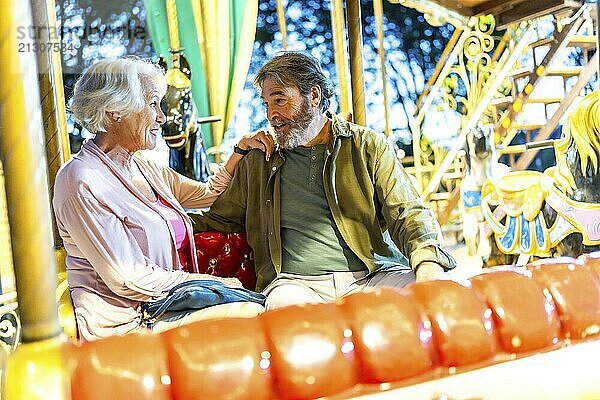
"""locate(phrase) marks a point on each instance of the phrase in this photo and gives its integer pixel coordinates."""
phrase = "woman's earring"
(118, 119)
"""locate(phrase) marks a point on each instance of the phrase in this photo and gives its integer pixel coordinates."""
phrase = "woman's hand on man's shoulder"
(261, 140)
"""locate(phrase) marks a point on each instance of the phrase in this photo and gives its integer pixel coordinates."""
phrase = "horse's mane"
(583, 130)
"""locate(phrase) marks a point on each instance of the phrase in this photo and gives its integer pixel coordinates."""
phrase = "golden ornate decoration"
(466, 81)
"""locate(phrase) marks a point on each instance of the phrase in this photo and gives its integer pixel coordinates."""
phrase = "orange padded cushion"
(311, 349)
(128, 367)
(392, 340)
(525, 318)
(219, 359)
(592, 261)
(576, 292)
(461, 323)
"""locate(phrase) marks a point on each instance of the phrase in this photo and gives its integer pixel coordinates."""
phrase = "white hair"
(114, 86)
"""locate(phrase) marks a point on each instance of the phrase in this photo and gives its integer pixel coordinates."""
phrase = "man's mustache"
(279, 121)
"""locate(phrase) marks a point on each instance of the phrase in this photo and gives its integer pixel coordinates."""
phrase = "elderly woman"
(121, 217)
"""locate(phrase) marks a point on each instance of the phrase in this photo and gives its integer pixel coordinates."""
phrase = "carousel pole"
(26, 178)
(282, 24)
(339, 51)
(52, 96)
(173, 26)
(378, 11)
(356, 64)
(34, 370)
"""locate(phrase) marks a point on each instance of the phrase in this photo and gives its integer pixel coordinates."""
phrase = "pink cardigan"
(121, 251)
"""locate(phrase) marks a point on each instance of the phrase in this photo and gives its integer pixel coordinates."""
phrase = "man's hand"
(429, 271)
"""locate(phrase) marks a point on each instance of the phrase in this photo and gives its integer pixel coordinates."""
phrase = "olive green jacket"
(368, 192)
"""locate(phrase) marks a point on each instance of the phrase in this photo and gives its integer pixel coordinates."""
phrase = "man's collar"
(339, 126)
(324, 135)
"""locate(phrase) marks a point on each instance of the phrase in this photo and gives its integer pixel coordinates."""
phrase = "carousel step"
(561, 71)
(505, 101)
(585, 41)
(564, 71)
(526, 127)
(545, 100)
(452, 176)
(520, 73)
(501, 101)
(441, 196)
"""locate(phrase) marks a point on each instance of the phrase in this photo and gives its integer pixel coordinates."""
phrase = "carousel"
(525, 326)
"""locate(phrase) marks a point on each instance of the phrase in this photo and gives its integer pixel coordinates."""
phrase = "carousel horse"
(221, 254)
(181, 130)
(482, 163)
(557, 212)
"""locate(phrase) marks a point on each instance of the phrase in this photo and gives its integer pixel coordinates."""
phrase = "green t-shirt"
(311, 242)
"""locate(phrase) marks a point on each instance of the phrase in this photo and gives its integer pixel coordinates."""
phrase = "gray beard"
(298, 135)
(295, 138)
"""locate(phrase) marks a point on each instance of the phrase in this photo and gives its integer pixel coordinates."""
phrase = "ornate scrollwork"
(7, 329)
(10, 330)
(465, 83)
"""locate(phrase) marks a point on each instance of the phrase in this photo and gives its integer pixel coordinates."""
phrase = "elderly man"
(320, 213)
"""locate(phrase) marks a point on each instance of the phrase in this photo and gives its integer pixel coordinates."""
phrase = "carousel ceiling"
(506, 12)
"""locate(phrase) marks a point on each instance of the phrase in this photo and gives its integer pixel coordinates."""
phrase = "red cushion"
(226, 255)
(121, 367)
(461, 323)
(576, 292)
(312, 351)
(525, 319)
(219, 359)
(392, 339)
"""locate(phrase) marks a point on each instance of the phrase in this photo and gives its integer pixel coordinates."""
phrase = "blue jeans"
(194, 295)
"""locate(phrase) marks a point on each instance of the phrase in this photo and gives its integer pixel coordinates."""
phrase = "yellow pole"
(339, 50)
(356, 63)
(378, 11)
(34, 371)
(26, 175)
(173, 26)
(52, 96)
(449, 52)
(282, 24)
